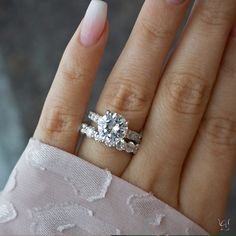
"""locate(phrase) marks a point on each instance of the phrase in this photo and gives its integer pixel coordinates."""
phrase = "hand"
(186, 111)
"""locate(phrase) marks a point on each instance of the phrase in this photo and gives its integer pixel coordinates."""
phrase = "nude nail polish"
(93, 23)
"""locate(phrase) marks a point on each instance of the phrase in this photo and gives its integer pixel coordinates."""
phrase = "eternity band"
(112, 130)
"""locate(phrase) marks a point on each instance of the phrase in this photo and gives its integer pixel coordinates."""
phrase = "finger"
(132, 83)
(67, 99)
(181, 100)
(214, 151)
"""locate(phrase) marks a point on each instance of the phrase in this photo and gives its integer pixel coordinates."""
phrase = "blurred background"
(33, 35)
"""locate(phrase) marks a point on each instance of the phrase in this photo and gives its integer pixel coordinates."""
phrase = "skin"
(186, 110)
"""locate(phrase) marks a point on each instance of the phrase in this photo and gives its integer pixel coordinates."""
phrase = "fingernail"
(93, 23)
(175, 2)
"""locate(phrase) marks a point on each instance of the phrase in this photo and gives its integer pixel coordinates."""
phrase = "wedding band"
(112, 130)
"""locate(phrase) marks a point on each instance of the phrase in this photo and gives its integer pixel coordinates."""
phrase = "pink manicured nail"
(93, 23)
(175, 2)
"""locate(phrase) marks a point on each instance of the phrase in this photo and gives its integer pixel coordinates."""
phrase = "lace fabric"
(54, 192)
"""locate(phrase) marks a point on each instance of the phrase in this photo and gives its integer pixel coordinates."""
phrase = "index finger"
(67, 99)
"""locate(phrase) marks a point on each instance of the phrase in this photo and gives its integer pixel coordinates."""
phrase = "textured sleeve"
(53, 192)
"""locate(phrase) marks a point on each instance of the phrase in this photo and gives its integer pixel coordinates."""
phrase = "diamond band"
(112, 130)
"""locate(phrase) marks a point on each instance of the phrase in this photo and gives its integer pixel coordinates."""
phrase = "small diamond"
(120, 145)
(131, 135)
(130, 147)
(97, 137)
(134, 136)
(84, 128)
(93, 116)
(90, 132)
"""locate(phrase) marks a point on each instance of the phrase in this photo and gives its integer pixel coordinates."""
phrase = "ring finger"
(133, 81)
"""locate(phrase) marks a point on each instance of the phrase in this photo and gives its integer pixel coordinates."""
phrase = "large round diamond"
(112, 128)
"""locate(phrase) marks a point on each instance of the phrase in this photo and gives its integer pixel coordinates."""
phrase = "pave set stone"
(113, 131)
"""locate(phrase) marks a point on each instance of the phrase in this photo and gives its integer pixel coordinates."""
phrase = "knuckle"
(214, 14)
(219, 131)
(58, 120)
(186, 92)
(153, 31)
(129, 97)
(73, 75)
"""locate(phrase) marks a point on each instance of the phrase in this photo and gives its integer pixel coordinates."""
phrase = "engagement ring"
(112, 130)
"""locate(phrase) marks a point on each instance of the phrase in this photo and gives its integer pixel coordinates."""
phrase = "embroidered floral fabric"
(54, 192)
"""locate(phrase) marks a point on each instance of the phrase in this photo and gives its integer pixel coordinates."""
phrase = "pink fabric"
(54, 192)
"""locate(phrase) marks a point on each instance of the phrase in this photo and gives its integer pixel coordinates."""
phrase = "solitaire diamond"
(112, 128)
